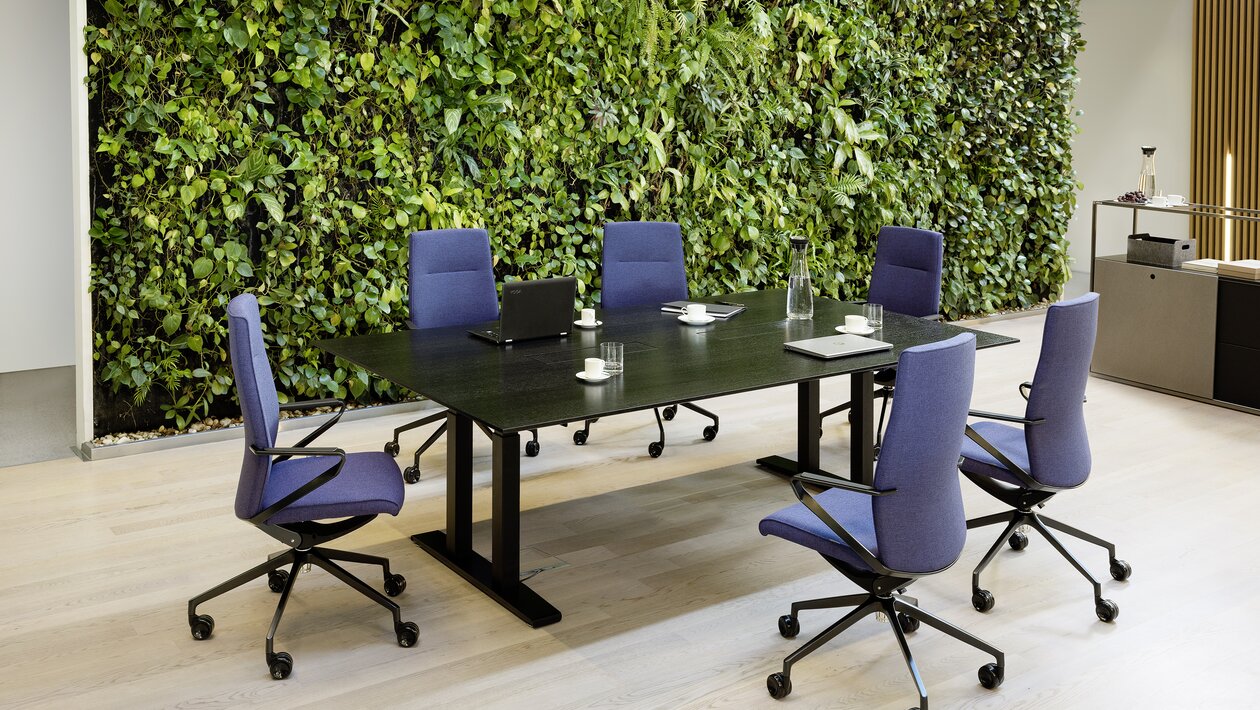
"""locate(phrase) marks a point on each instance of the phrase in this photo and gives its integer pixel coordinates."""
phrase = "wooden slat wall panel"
(1245, 177)
(1224, 118)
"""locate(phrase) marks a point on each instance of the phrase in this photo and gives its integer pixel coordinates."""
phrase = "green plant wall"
(287, 147)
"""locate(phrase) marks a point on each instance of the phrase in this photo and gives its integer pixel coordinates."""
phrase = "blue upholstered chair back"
(643, 264)
(451, 278)
(256, 390)
(906, 277)
(1058, 448)
(921, 528)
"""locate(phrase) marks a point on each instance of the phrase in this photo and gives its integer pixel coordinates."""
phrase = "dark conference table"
(528, 385)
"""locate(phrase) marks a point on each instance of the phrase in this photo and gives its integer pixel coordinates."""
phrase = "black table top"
(533, 384)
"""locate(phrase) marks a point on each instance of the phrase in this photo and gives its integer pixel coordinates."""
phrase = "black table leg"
(862, 433)
(506, 503)
(458, 484)
(500, 579)
(809, 426)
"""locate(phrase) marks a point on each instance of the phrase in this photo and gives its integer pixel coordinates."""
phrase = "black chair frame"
(885, 593)
(304, 540)
(411, 474)
(1022, 499)
(656, 448)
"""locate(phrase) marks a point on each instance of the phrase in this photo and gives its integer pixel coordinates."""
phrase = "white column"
(82, 220)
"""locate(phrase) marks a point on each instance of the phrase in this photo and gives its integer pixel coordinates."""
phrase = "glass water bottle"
(800, 295)
(1146, 177)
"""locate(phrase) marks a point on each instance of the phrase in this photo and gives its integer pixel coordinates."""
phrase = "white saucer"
(705, 320)
(592, 378)
(588, 326)
(865, 331)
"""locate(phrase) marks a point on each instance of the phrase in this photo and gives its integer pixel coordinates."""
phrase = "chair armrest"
(312, 404)
(821, 513)
(1025, 389)
(816, 479)
(1004, 417)
(1024, 477)
(324, 477)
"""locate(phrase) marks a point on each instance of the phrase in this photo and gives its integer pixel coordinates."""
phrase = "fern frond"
(839, 188)
(651, 34)
(665, 27)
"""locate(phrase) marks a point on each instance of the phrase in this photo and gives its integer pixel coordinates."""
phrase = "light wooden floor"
(670, 596)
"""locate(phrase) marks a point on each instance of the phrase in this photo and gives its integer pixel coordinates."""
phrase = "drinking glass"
(613, 355)
(874, 313)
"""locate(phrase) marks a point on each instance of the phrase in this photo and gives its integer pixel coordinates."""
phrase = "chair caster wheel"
(408, 634)
(1106, 610)
(201, 627)
(392, 448)
(669, 412)
(655, 449)
(710, 433)
(395, 584)
(1017, 541)
(411, 474)
(1120, 570)
(908, 623)
(779, 685)
(280, 665)
(789, 627)
(579, 438)
(532, 448)
(982, 600)
(991, 675)
(276, 579)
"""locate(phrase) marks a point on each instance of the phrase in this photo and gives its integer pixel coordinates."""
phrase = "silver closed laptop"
(833, 346)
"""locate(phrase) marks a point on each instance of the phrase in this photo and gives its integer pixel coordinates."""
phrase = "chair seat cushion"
(1007, 439)
(797, 524)
(370, 483)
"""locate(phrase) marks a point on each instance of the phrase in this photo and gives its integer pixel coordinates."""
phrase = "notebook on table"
(833, 346)
(717, 310)
(532, 309)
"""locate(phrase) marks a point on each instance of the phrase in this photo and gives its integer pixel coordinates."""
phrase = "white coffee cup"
(695, 311)
(594, 367)
(1176, 200)
(588, 316)
(1159, 201)
(855, 323)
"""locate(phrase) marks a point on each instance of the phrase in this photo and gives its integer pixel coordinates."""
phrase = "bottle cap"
(799, 242)
(1148, 150)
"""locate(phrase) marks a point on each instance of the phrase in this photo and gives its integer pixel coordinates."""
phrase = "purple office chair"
(451, 282)
(906, 279)
(1025, 466)
(643, 265)
(286, 491)
(910, 524)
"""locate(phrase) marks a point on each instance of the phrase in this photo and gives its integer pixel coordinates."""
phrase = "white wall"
(1135, 89)
(37, 284)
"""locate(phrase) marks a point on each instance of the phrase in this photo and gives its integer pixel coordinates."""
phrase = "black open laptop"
(532, 309)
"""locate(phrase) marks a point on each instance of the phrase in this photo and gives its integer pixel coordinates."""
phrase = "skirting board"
(88, 452)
